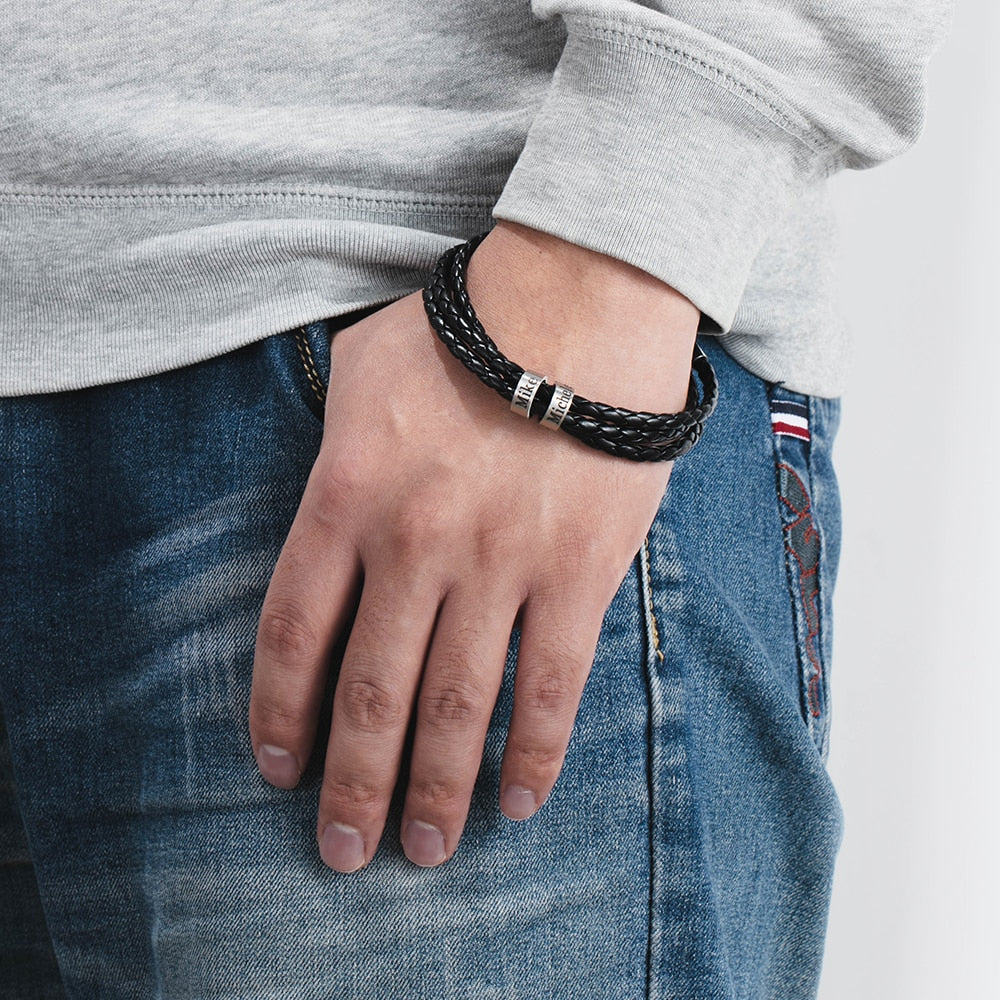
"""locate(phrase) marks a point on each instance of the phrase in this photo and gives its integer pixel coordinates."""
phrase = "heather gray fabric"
(179, 179)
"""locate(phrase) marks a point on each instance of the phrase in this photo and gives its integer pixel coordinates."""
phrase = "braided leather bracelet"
(640, 436)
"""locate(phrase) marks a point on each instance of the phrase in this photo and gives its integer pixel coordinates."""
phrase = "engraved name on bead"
(524, 394)
(562, 399)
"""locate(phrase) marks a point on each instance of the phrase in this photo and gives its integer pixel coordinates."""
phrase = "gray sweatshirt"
(181, 178)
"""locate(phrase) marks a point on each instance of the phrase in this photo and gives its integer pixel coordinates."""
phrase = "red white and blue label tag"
(790, 419)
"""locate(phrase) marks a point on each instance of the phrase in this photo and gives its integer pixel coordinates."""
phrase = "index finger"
(308, 603)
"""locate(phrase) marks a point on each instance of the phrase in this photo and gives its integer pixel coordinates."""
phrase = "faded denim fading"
(687, 849)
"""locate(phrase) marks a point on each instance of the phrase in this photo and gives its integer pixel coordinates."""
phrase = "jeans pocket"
(803, 428)
(306, 358)
(311, 364)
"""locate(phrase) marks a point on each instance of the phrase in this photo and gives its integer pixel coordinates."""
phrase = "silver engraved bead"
(555, 414)
(524, 394)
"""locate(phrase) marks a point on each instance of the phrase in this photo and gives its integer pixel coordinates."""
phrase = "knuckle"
(549, 689)
(285, 636)
(418, 527)
(348, 796)
(537, 758)
(587, 587)
(494, 546)
(342, 477)
(432, 792)
(344, 473)
(272, 718)
(332, 497)
(370, 706)
(452, 705)
(585, 554)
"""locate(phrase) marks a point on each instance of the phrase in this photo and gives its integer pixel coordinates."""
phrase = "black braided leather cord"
(637, 435)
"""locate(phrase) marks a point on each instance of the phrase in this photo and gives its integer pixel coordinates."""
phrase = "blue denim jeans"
(686, 852)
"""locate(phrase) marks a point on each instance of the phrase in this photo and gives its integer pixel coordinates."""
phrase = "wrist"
(616, 430)
(613, 332)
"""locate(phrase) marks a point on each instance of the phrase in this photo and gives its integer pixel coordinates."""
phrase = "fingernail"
(278, 766)
(517, 802)
(342, 847)
(423, 843)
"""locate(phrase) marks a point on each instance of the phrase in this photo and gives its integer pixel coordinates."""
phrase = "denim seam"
(653, 633)
(821, 729)
(654, 630)
(309, 364)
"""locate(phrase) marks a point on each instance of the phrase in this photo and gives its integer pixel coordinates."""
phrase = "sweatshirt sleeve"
(677, 133)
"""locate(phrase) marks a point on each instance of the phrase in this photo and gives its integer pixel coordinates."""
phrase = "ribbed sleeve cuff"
(651, 152)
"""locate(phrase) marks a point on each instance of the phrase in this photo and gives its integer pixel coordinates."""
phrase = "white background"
(916, 697)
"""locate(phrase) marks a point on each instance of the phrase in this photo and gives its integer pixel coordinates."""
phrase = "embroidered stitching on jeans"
(309, 363)
(802, 543)
(649, 602)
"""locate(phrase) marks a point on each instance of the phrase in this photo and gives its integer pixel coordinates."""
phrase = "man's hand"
(452, 517)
